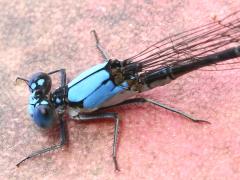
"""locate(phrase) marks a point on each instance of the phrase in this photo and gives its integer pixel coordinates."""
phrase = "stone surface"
(154, 143)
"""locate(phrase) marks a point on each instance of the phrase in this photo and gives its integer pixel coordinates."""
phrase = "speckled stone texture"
(154, 143)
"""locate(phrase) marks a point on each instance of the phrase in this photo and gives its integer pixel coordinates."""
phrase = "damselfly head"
(41, 111)
(40, 83)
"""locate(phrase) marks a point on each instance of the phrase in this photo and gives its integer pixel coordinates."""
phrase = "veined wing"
(192, 44)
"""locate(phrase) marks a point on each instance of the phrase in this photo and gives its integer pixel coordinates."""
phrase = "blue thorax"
(93, 87)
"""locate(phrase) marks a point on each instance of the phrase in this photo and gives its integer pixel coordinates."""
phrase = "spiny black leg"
(62, 89)
(99, 47)
(107, 115)
(63, 75)
(57, 146)
(145, 100)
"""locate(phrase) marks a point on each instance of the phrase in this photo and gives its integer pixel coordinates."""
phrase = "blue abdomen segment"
(93, 87)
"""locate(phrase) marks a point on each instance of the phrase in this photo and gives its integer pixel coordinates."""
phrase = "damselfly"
(115, 82)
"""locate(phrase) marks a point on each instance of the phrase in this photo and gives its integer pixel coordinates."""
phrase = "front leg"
(57, 146)
(63, 76)
(107, 115)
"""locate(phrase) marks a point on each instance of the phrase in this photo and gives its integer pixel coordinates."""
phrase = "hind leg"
(102, 51)
(156, 103)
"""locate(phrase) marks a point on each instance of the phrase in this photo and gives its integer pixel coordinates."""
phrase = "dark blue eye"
(44, 115)
(41, 83)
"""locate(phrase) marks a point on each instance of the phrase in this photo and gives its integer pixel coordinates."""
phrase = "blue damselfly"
(115, 82)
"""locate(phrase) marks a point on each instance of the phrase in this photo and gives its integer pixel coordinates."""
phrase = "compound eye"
(40, 82)
(44, 115)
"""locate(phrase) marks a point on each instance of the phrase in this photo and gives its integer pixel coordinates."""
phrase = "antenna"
(24, 80)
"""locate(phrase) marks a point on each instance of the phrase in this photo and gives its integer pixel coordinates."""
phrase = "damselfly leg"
(57, 146)
(106, 115)
(102, 51)
(146, 100)
(63, 75)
